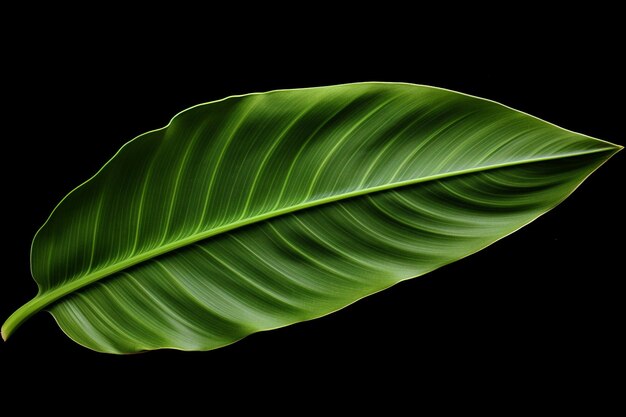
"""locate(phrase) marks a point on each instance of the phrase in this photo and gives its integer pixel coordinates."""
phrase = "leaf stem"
(22, 314)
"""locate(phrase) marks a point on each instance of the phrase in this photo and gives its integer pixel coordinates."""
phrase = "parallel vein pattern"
(259, 211)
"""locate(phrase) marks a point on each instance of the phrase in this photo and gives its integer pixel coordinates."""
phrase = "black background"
(535, 314)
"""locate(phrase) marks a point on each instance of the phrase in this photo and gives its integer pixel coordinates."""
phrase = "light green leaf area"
(263, 210)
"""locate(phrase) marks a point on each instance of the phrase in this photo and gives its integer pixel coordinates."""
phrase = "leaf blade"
(442, 133)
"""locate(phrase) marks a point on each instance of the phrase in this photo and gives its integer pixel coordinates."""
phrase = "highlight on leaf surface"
(262, 210)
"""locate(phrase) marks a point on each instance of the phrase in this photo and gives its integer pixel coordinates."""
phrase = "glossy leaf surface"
(263, 210)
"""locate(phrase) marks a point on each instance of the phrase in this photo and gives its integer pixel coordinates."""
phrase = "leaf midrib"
(46, 298)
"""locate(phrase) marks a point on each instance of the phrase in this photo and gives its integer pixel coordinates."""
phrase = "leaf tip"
(5, 336)
(616, 147)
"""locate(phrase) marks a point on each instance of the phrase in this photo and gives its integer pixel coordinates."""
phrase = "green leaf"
(263, 210)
